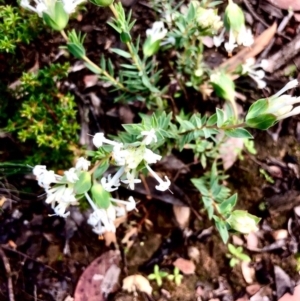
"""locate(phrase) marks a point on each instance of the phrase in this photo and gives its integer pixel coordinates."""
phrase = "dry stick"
(281, 27)
(261, 20)
(280, 58)
(8, 275)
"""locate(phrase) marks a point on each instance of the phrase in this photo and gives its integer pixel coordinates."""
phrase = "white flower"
(245, 37)
(218, 40)
(131, 180)
(231, 44)
(149, 136)
(119, 155)
(60, 209)
(39, 170)
(163, 185)
(157, 32)
(102, 220)
(70, 5)
(150, 157)
(82, 164)
(250, 68)
(129, 205)
(47, 6)
(99, 139)
(60, 198)
(71, 175)
(41, 6)
(282, 105)
(46, 178)
(112, 183)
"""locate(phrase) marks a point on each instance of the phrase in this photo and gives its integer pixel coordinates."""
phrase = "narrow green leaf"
(238, 133)
(121, 52)
(222, 228)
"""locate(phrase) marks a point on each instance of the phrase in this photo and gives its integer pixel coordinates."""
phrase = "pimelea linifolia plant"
(180, 31)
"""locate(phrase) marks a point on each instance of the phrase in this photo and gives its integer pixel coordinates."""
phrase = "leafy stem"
(96, 67)
(224, 128)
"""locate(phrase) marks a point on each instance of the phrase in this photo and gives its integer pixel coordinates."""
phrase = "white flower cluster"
(255, 71)
(209, 19)
(60, 196)
(102, 220)
(157, 32)
(282, 106)
(128, 159)
(243, 37)
(47, 6)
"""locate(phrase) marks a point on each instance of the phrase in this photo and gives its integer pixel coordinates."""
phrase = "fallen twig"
(285, 54)
(8, 275)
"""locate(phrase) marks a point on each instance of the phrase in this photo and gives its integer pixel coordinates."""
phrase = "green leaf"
(84, 183)
(100, 196)
(238, 133)
(257, 108)
(101, 169)
(212, 120)
(222, 228)
(227, 205)
(121, 52)
(93, 68)
(220, 117)
(262, 122)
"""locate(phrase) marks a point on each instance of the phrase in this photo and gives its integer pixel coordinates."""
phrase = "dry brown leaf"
(135, 283)
(286, 4)
(252, 241)
(248, 272)
(294, 297)
(259, 45)
(99, 279)
(253, 289)
(182, 215)
(187, 267)
(90, 80)
(194, 254)
(229, 151)
(280, 234)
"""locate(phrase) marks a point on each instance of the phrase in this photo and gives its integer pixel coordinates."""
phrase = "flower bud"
(243, 222)
(57, 19)
(223, 85)
(154, 36)
(234, 17)
(266, 112)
